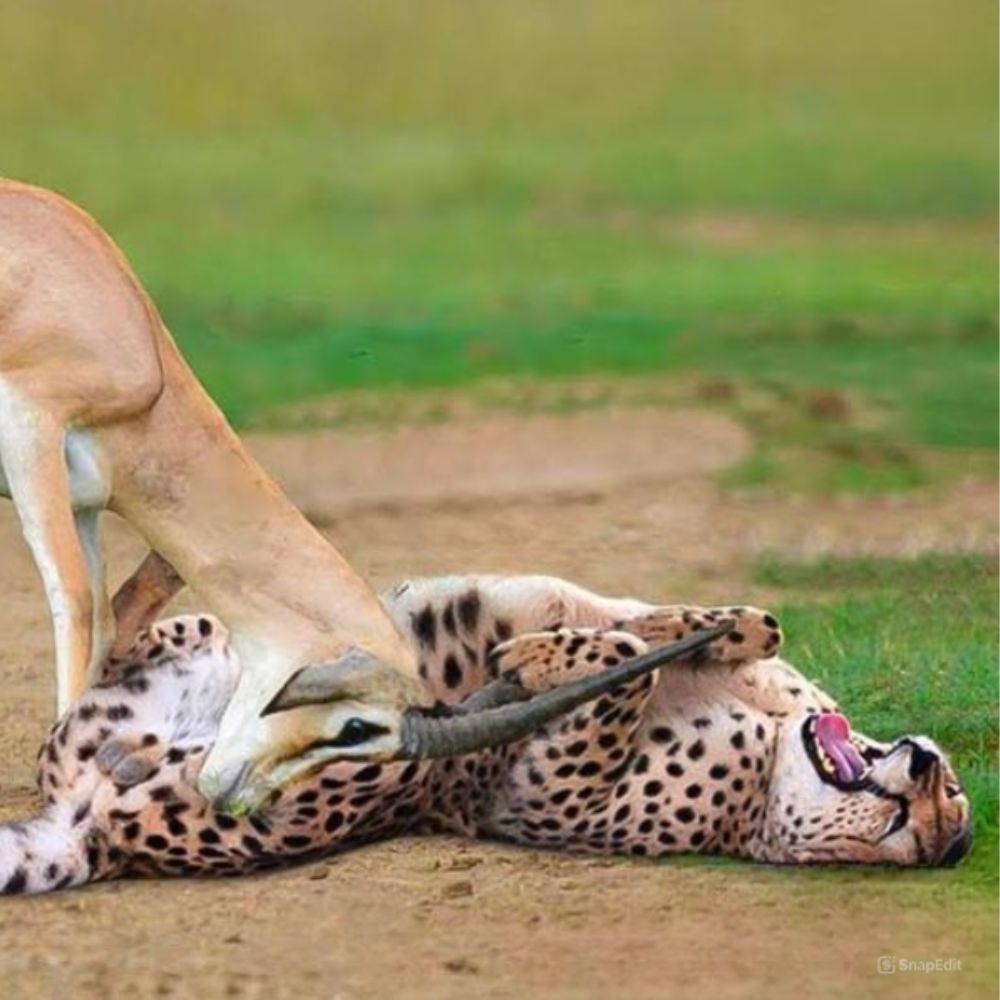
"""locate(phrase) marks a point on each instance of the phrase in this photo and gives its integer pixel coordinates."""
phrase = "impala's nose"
(222, 787)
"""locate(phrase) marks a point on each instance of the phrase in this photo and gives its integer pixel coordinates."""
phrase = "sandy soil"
(621, 502)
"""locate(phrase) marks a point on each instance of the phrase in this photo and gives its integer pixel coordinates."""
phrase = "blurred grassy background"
(754, 197)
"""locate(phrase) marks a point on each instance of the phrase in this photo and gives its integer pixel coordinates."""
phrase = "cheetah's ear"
(356, 675)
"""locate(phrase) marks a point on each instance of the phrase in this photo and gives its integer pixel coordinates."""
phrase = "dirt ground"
(622, 502)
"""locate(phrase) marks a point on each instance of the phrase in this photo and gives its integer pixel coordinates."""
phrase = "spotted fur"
(708, 756)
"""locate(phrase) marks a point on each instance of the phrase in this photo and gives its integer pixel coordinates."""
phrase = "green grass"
(325, 197)
(908, 646)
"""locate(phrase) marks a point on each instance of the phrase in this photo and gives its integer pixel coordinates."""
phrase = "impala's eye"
(356, 731)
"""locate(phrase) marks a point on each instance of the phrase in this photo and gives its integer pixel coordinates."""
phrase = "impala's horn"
(427, 735)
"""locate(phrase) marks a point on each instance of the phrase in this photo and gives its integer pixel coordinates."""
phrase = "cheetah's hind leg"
(169, 640)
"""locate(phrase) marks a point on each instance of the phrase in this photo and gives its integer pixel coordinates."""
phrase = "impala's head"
(839, 796)
(358, 708)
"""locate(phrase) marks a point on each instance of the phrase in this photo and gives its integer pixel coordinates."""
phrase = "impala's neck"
(184, 480)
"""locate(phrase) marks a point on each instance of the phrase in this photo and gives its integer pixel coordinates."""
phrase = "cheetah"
(728, 750)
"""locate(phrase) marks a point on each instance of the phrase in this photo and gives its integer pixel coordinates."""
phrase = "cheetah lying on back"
(731, 752)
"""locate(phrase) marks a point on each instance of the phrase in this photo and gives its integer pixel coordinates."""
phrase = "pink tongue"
(833, 733)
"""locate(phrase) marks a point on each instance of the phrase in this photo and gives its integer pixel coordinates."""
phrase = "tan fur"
(99, 410)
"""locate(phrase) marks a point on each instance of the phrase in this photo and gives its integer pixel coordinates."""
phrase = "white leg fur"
(88, 528)
(32, 446)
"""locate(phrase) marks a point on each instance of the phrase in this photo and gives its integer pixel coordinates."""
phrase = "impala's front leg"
(34, 465)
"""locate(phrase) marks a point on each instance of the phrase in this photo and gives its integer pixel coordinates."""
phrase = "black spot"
(85, 752)
(674, 769)
(696, 750)
(452, 672)
(260, 824)
(156, 843)
(661, 734)
(18, 882)
(118, 712)
(296, 841)
(448, 619)
(652, 788)
(770, 621)
(253, 845)
(175, 755)
(334, 822)
(735, 636)
(718, 798)
(409, 773)
(738, 740)
(87, 712)
(693, 791)
(425, 627)
(468, 610)
(685, 814)
(371, 772)
(204, 627)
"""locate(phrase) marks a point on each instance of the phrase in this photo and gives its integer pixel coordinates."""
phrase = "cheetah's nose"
(957, 849)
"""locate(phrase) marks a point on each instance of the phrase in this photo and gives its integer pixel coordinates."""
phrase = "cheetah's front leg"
(756, 634)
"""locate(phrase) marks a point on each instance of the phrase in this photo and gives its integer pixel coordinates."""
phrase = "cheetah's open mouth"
(834, 751)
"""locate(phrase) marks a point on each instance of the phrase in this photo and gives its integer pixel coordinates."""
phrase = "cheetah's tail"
(56, 849)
